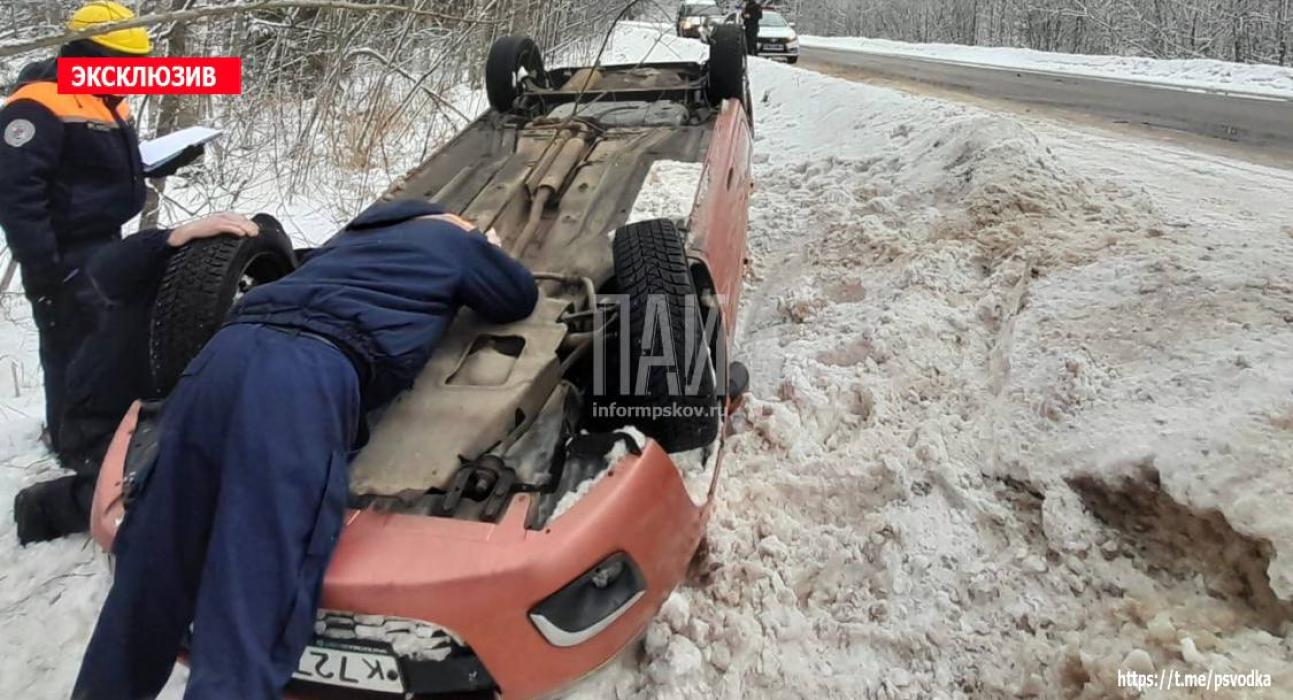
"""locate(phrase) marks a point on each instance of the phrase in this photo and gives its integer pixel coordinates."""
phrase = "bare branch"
(223, 11)
(417, 83)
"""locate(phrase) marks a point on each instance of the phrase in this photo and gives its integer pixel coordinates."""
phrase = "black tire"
(503, 70)
(792, 60)
(651, 263)
(727, 64)
(201, 282)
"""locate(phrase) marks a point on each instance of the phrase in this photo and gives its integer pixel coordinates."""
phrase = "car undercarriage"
(491, 410)
(507, 534)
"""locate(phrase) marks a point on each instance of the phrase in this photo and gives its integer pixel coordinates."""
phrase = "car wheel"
(727, 64)
(201, 283)
(674, 401)
(511, 60)
(792, 60)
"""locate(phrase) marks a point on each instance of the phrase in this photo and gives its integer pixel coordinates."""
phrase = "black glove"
(170, 167)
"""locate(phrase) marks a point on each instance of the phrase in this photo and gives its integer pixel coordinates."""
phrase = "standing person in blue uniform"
(70, 177)
(238, 518)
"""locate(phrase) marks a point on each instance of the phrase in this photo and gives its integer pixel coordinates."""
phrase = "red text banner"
(150, 76)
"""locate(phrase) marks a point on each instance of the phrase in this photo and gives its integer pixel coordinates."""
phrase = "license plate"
(773, 47)
(350, 669)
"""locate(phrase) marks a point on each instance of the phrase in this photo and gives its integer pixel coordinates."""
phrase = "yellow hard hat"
(132, 41)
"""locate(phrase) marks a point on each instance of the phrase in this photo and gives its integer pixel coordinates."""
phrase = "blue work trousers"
(235, 524)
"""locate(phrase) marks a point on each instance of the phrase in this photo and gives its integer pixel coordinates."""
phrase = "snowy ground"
(1021, 417)
(1194, 73)
(1002, 373)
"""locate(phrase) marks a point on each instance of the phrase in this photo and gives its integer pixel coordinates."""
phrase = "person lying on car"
(236, 521)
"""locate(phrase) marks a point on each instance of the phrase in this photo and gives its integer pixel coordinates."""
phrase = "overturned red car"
(519, 515)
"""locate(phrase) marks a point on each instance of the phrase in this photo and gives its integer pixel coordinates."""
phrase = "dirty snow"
(1021, 416)
(619, 451)
(1192, 73)
(697, 468)
(1002, 374)
(668, 191)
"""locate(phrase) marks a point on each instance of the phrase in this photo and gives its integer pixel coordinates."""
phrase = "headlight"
(688, 24)
(590, 603)
(793, 44)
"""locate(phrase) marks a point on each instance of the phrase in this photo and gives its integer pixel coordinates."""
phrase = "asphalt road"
(1245, 117)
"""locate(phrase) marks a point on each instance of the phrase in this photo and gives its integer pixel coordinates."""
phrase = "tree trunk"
(174, 112)
(1282, 32)
(1238, 29)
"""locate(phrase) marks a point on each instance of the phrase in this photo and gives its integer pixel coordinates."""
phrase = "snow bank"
(1193, 73)
(1001, 376)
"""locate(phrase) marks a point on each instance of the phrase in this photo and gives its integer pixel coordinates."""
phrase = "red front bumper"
(481, 580)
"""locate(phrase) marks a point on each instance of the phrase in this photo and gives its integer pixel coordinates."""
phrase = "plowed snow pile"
(997, 400)
(1021, 417)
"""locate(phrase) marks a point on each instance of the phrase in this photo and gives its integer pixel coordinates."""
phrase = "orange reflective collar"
(70, 108)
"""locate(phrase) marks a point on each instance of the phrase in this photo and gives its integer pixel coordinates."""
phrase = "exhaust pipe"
(546, 183)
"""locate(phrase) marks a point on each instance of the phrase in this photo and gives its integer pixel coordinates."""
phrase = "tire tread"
(195, 295)
(650, 261)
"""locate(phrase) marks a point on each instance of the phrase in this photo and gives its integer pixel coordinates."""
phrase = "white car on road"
(777, 37)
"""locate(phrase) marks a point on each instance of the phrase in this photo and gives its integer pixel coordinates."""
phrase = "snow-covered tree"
(1236, 30)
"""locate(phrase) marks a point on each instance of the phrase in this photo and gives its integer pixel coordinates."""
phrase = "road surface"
(1246, 117)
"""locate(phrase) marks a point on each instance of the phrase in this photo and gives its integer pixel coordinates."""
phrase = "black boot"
(52, 509)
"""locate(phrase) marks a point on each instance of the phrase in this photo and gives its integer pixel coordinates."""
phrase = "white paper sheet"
(164, 148)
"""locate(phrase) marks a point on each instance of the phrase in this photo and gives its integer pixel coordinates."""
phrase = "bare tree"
(1255, 31)
(339, 96)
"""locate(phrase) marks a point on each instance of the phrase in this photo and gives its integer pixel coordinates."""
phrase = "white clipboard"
(161, 150)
